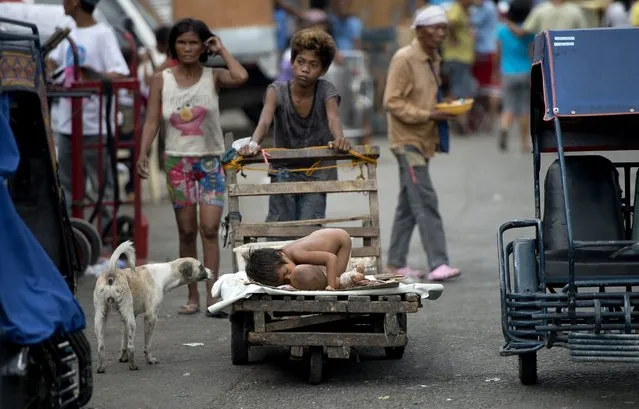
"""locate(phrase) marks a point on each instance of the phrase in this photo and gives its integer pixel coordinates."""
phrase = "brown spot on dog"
(186, 269)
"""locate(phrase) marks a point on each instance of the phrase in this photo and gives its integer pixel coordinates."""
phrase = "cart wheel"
(528, 368)
(394, 352)
(315, 365)
(91, 235)
(240, 327)
(125, 231)
(82, 249)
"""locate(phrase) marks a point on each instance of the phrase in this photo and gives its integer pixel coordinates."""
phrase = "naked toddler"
(328, 248)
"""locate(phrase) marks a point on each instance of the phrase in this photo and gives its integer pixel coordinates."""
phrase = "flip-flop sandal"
(217, 314)
(189, 309)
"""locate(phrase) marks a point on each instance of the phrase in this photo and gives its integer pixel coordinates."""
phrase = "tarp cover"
(35, 301)
(589, 72)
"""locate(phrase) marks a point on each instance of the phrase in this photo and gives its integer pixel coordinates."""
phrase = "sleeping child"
(315, 262)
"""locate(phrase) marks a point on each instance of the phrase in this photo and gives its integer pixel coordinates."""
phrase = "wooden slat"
(266, 230)
(329, 339)
(341, 186)
(321, 306)
(329, 220)
(365, 252)
(298, 322)
(317, 154)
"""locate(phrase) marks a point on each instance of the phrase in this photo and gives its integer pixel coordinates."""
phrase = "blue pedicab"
(45, 358)
(574, 284)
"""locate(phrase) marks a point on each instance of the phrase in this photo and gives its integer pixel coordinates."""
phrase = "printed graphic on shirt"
(70, 63)
(188, 119)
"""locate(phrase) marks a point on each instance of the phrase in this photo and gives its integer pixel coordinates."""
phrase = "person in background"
(459, 55)
(186, 98)
(551, 15)
(514, 59)
(417, 130)
(346, 28)
(616, 14)
(634, 14)
(485, 18)
(98, 52)
(283, 11)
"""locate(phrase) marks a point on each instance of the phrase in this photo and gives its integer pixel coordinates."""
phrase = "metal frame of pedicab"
(119, 231)
(600, 325)
(60, 366)
(329, 323)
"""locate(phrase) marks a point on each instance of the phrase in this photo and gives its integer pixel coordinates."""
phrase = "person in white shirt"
(98, 51)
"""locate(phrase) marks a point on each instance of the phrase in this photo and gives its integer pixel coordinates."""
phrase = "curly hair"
(262, 265)
(313, 39)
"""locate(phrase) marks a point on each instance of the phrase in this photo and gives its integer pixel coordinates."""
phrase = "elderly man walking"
(417, 130)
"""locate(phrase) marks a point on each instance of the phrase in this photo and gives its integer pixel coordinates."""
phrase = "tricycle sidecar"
(574, 285)
(45, 358)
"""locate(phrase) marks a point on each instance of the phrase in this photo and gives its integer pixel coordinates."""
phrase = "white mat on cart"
(230, 288)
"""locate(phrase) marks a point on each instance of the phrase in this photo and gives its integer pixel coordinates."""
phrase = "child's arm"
(266, 118)
(236, 74)
(319, 258)
(335, 125)
(151, 124)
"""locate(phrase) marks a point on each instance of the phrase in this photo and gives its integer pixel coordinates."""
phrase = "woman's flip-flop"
(189, 309)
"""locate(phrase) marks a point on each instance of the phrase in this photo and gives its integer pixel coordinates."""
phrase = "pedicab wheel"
(315, 365)
(394, 352)
(125, 226)
(92, 236)
(240, 327)
(528, 368)
(82, 249)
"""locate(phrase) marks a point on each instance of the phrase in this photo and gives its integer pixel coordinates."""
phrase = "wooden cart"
(333, 323)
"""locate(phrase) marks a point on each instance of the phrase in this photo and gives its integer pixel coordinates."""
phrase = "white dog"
(134, 291)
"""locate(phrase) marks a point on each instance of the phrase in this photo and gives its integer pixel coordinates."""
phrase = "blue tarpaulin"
(589, 72)
(35, 301)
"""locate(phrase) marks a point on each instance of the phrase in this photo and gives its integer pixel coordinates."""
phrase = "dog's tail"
(128, 250)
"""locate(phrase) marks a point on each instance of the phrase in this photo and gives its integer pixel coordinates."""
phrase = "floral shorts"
(192, 180)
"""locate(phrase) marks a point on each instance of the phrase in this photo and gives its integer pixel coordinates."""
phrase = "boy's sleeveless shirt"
(292, 131)
(192, 116)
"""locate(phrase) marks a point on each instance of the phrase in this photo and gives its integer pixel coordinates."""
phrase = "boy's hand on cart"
(143, 166)
(340, 144)
(250, 149)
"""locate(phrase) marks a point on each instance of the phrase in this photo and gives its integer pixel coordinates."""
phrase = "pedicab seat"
(597, 215)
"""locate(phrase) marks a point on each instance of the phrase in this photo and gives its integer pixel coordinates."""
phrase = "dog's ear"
(186, 268)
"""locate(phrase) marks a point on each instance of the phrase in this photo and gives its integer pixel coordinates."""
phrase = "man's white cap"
(430, 15)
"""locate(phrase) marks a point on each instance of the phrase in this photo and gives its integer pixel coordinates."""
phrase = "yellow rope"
(236, 164)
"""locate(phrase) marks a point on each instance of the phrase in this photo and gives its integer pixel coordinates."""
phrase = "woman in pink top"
(185, 97)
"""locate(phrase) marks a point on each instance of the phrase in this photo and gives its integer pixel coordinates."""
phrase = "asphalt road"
(452, 358)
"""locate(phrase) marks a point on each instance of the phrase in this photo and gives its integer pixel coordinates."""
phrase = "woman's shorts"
(192, 180)
(515, 94)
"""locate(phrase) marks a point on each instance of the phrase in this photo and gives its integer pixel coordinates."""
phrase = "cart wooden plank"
(298, 322)
(310, 222)
(327, 306)
(329, 339)
(267, 230)
(337, 186)
(316, 153)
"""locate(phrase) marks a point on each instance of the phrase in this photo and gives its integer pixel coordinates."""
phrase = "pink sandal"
(443, 272)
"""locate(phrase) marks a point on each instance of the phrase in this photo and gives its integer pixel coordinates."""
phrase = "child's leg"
(524, 121)
(509, 98)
